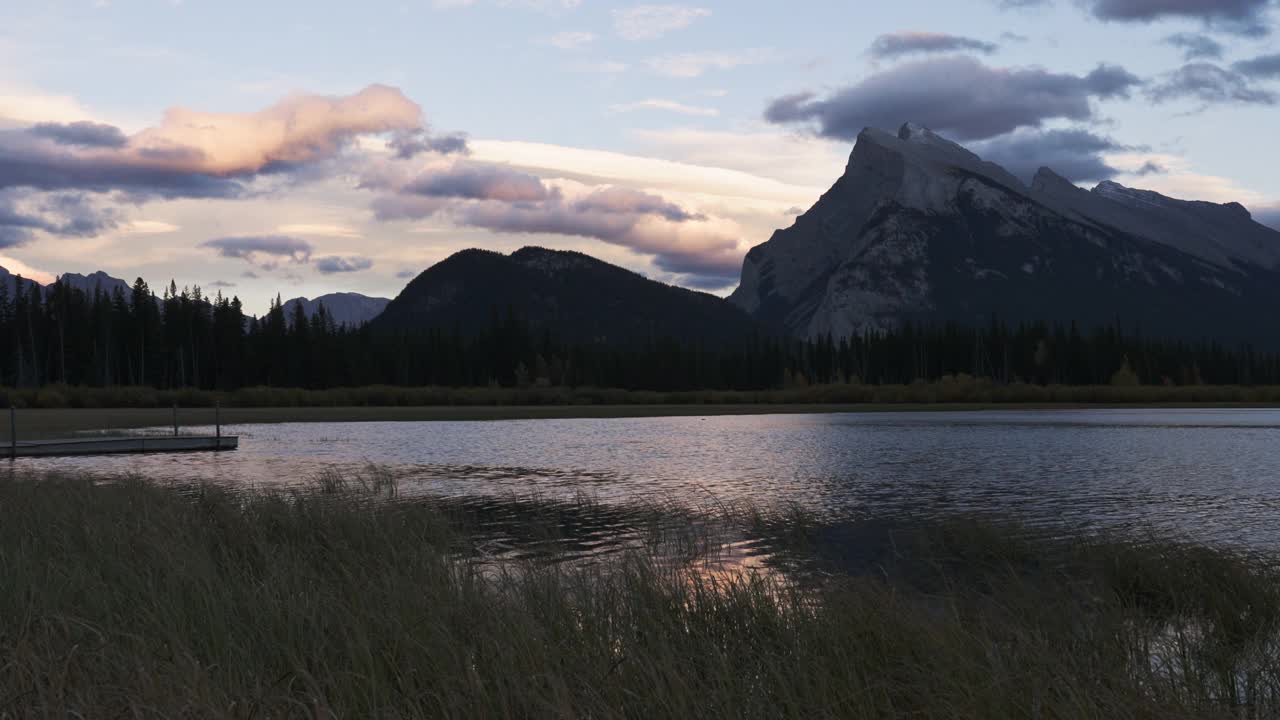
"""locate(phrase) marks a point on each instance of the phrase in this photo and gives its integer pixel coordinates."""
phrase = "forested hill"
(62, 334)
(571, 295)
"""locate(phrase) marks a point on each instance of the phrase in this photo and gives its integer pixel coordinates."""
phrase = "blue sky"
(649, 134)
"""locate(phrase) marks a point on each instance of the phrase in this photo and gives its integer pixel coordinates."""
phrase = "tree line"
(185, 339)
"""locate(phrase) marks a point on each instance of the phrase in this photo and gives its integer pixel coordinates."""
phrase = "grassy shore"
(58, 411)
(127, 599)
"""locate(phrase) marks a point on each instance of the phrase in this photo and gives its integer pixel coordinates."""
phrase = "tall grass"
(949, 390)
(128, 599)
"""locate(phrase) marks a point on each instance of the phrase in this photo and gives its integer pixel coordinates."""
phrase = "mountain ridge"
(575, 296)
(344, 308)
(920, 229)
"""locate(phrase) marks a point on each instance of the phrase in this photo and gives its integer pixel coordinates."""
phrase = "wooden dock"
(120, 444)
(123, 444)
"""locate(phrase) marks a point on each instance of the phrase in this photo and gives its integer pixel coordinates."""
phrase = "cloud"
(897, 44)
(1151, 167)
(602, 67)
(321, 229)
(83, 133)
(738, 168)
(571, 40)
(266, 251)
(620, 200)
(17, 267)
(701, 248)
(645, 22)
(695, 64)
(1263, 66)
(668, 105)
(72, 214)
(1209, 83)
(1195, 46)
(790, 157)
(334, 264)
(407, 273)
(957, 96)
(479, 182)
(1076, 155)
(507, 200)
(221, 284)
(1179, 178)
(395, 206)
(1242, 17)
(149, 227)
(199, 154)
(407, 144)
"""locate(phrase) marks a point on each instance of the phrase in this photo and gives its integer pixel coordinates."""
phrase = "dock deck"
(121, 444)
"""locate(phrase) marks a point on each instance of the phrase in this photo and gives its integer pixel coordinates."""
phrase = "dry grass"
(128, 599)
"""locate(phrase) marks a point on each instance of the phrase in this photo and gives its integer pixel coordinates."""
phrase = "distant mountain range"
(93, 281)
(920, 229)
(575, 296)
(346, 308)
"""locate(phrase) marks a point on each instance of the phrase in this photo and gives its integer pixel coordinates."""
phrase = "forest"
(185, 339)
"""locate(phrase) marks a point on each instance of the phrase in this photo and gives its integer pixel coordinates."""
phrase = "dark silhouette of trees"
(183, 339)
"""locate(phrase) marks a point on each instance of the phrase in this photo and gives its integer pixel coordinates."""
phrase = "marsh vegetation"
(342, 600)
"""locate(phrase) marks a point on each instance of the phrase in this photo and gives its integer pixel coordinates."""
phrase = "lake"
(1210, 474)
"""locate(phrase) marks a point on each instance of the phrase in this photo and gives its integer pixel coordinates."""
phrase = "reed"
(125, 598)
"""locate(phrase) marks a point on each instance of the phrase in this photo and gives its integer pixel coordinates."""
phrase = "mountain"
(578, 298)
(351, 309)
(9, 281)
(91, 282)
(920, 229)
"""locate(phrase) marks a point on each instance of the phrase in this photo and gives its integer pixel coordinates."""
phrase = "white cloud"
(802, 160)
(571, 40)
(647, 172)
(19, 108)
(644, 22)
(148, 227)
(694, 64)
(603, 67)
(668, 105)
(323, 230)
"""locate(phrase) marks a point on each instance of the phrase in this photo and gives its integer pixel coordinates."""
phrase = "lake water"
(1208, 474)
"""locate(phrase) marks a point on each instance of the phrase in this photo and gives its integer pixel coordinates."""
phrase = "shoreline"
(47, 423)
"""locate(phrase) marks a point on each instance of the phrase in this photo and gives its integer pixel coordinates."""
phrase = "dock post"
(217, 423)
(13, 433)
(175, 419)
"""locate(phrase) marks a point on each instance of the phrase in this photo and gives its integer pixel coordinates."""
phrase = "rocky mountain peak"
(921, 229)
(922, 136)
(1048, 181)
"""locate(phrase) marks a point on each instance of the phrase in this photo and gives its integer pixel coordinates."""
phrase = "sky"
(300, 148)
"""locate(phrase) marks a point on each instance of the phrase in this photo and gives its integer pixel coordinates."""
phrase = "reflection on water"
(1208, 474)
